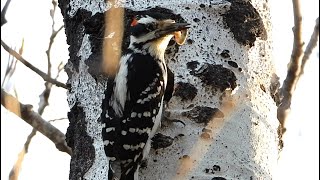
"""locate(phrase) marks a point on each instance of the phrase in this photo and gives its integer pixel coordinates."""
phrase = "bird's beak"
(179, 30)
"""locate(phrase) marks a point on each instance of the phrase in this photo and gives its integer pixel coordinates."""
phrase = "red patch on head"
(134, 21)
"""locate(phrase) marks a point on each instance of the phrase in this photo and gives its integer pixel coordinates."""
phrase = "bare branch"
(44, 97)
(291, 80)
(35, 120)
(311, 45)
(297, 63)
(14, 173)
(36, 70)
(53, 35)
(3, 13)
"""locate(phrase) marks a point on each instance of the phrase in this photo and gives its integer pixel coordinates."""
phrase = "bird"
(135, 105)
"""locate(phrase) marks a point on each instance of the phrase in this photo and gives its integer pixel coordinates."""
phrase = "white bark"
(244, 143)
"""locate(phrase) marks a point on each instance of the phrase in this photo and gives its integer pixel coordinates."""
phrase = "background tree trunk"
(225, 92)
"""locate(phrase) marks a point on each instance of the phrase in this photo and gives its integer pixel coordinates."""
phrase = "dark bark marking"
(244, 22)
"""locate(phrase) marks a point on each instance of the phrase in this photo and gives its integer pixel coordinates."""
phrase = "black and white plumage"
(135, 101)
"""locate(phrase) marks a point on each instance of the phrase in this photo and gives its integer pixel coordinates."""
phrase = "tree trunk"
(225, 92)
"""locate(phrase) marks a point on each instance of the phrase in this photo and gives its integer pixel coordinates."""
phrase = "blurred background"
(30, 25)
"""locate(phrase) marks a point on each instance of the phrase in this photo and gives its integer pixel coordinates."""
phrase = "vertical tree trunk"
(225, 92)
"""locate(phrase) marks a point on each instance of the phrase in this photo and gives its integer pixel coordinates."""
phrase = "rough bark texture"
(86, 88)
(222, 92)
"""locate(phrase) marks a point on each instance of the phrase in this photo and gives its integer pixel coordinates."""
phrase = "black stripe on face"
(142, 29)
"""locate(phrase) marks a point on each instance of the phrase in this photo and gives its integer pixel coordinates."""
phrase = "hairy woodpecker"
(136, 99)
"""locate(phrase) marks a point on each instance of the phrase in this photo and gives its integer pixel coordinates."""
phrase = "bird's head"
(152, 33)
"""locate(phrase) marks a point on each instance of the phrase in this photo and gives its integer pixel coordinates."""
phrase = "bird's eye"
(151, 26)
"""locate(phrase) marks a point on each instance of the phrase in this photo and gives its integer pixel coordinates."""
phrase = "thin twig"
(3, 13)
(35, 120)
(60, 68)
(311, 45)
(14, 173)
(11, 67)
(36, 70)
(48, 52)
(54, 33)
(290, 82)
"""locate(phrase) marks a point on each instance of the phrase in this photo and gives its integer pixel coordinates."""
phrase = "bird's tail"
(114, 172)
